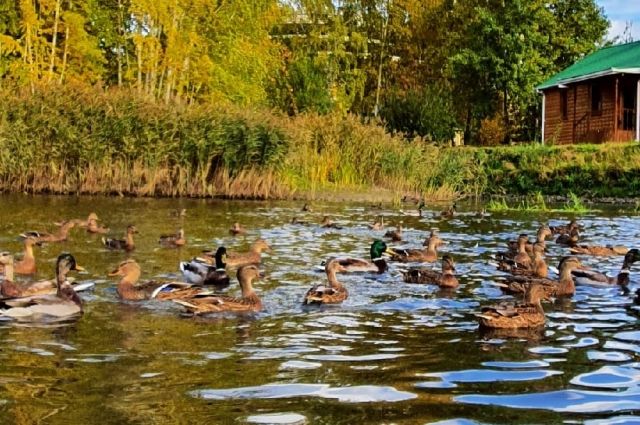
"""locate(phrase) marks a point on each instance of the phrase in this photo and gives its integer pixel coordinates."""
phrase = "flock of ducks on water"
(205, 275)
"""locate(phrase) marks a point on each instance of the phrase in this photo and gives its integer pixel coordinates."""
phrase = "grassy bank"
(81, 140)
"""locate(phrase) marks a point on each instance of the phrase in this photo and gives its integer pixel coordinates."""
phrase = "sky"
(619, 13)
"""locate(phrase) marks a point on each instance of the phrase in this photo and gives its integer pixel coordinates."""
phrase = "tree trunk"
(119, 46)
(376, 109)
(54, 39)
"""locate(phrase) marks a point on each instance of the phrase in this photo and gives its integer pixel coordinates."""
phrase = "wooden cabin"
(595, 100)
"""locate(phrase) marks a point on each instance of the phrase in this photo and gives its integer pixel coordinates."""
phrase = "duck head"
(261, 245)
(378, 249)
(221, 258)
(448, 264)
(131, 229)
(128, 268)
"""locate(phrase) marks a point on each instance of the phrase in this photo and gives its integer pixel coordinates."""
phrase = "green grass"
(537, 203)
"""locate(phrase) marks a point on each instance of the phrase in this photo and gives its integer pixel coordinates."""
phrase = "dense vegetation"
(77, 140)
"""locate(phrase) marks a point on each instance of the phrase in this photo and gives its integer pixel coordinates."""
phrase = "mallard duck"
(93, 227)
(60, 235)
(564, 286)
(175, 240)
(126, 244)
(182, 212)
(64, 303)
(541, 236)
(538, 268)
(427, 255)
(599, 251)
(129, 289)
(249, 301)
(564, 229)
(327, 223)
(449, 212)
(444, 279)
(434, 237)
(376, 265)
(528, 314)
(377, 224)
(236, 229)
(395, 235)
(306, 208)
(296, 220)
(200, 272)
(411, 198)
(28, 263)
(593, 278)
(569, 239)
(254, 256)
(332, 292)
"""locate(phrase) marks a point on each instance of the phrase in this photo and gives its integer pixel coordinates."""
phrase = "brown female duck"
(254, 256)
(564, 286)
(444, 279)
(593, 278)
(541, 236)
(538, 268)
(175, 240)
(60, 235)
(27, 265)
(427, 255)
(129, 289)
(598, 251)
(332, 292)
(93, 226)
(449, 212)
(327, 223)
(126, 244)
(395, 235)
(378, 224)
(529, 314)
(569, 239)
(247, 302)
(565, 228)
(237, 229)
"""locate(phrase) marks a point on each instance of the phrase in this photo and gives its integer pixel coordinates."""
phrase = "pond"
(391, 353)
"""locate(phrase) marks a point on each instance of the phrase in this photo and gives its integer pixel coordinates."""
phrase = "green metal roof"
(622, 58)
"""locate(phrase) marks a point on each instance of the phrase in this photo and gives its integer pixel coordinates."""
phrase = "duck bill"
(389, 252)
(79, 268)
(114, 273)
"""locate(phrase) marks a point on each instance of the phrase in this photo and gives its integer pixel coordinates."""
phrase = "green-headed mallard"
(247, 302)
(377, 264)
(126, 244)
(254, 256)
(332, 292)
(200, 272)
(444, 279)
(593, 278)
(175, 240)
(528, 314)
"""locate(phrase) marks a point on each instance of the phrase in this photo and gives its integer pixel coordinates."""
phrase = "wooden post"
(616, 111)
(544, 104)
(638, 111)
(575, 97)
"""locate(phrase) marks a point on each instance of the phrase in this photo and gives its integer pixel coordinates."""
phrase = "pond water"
(392, 353)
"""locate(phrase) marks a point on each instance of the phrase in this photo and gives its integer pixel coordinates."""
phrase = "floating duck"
(126, 244)
(27, 265)
(598, 251)
(92, 225)
(427, 255)
(395, 235)
(528, 314)
(564, 229)
(175, 240)
(444, 279)
(569, 239)
(332, 292)
(247, 302)
(60, 235)
(200, 272)
(377, 224)
(541, 236)
(129, 289)
(254, 256)
(236, 229)
(593, 278)
(564, 286)
(538, 268)
(376, 265)
(327, 223)
(449, 212)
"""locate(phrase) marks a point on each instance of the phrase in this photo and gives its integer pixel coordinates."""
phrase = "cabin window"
(564, 104)
(596, 99)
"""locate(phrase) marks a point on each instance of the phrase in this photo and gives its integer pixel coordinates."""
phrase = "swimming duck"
(564, 286)
(59, 236)
(28, 263)
(376, 265)
(538, 268)
(569, 239)
(63, 304)
(327, 223)
(598, 251)
(129, 289)
(306, 208)
(236, 229)
(200, 272)
(564, 229)
(126, 244)
(247, 302)
(449, 212)
(395, 235)
(541, 236)
(92, 225)
(427, 255)
(591, 277)
(296, 220)
(444, 279)
(332, 292)
(175, 240)
(254, 256)
(435, 237)
(182, 212)
(418, 213)
(528, 314)
(378, 224)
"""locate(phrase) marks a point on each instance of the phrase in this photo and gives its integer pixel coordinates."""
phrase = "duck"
(563, 287)
(449, 212)
(254, 256)
(64, 303)
(426, 255)
(198, 271)
(377, 264)
(247, 302)
(92, 225)
(593, 278)
(564, 229)
(306, 208)
(528, 314)
(395, 235)
(377, 224)
(569, 239)
(28, 263)
(236, 229)
(327, 223)
(175, 240)
(296, 220)
(541, 237)
(332, 292)
(60, 235)
(129, 289)
(435, 237)
(538, 268)
(444, 279)
(182, 212)
(126, 244)
(598, 251)
(418, 213)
